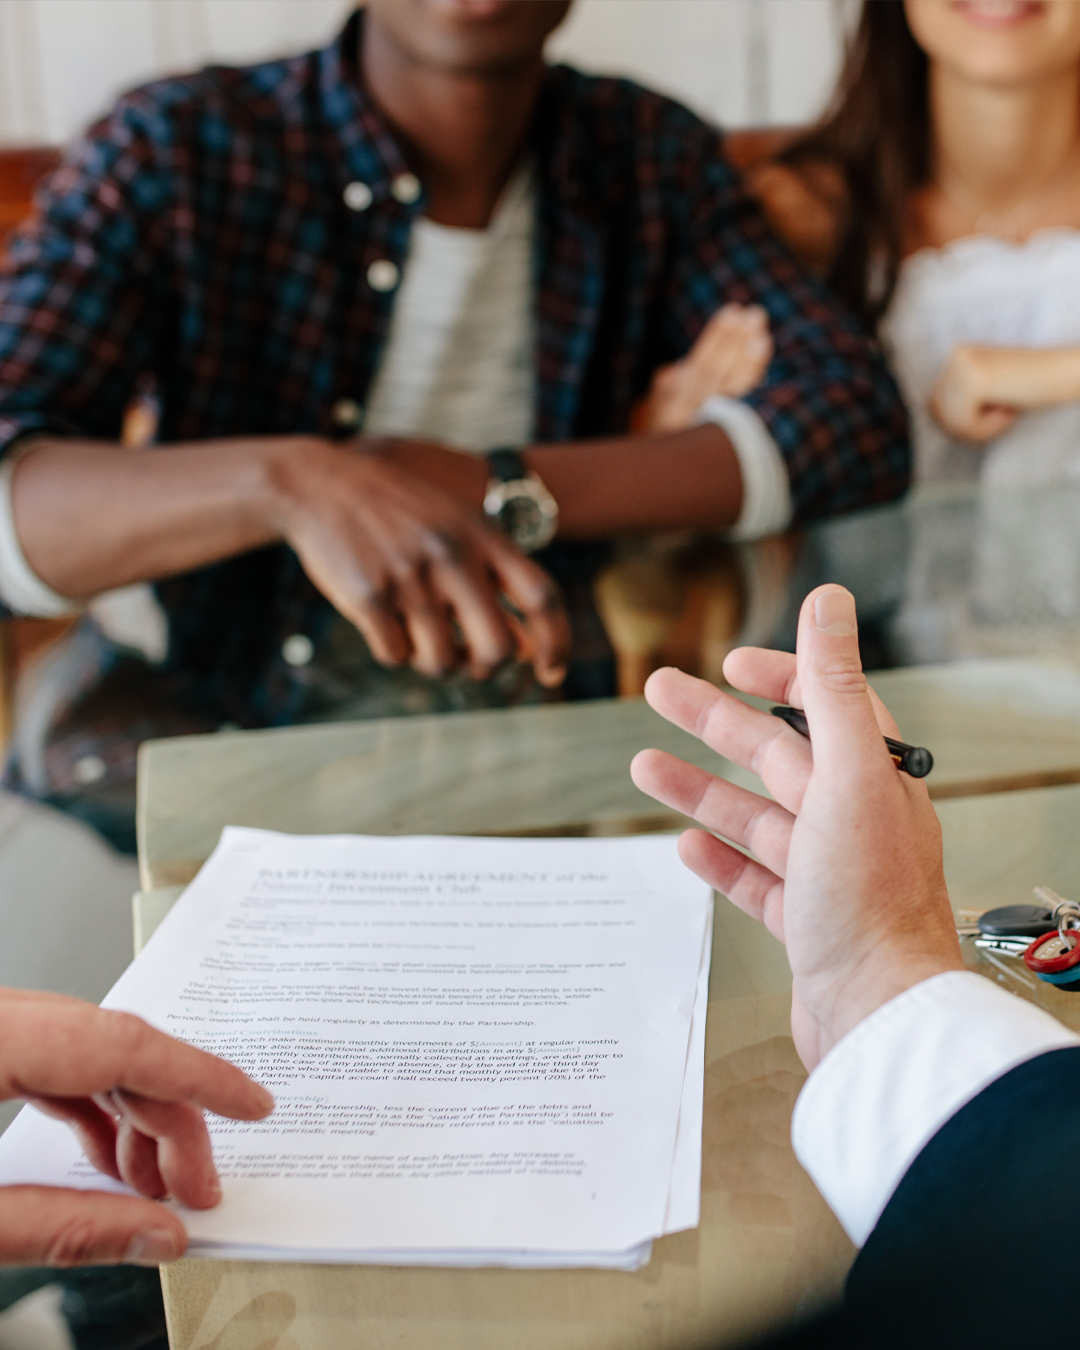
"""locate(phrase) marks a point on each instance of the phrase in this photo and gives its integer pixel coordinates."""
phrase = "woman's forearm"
(1027, 377)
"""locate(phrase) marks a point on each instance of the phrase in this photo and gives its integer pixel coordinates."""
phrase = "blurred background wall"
(738, 62)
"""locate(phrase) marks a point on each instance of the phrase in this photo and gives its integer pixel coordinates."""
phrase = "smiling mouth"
(1000, 13)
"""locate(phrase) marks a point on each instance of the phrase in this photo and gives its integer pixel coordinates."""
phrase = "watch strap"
(506, 465)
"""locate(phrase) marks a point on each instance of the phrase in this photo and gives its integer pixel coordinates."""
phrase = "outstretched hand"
(135, 1099)
(847, 860)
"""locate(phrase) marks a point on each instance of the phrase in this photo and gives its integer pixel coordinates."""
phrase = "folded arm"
(981, 390)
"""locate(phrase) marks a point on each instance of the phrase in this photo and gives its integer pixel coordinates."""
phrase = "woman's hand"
(981, 390)
(730, 357)
(847, 864)
(135, 1098)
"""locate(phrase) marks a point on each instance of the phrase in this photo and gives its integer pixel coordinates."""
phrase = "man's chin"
(471, 37)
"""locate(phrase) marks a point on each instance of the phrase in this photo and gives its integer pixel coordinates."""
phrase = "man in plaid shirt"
(254, 240)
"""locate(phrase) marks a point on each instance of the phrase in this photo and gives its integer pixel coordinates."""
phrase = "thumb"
(835, 695)
(47, 1226)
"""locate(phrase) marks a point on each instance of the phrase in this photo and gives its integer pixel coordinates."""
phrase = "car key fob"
(1017, 921)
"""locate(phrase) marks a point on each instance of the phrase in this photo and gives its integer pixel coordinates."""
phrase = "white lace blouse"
(986, 290)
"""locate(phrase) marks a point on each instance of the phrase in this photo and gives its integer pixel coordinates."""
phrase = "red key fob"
(1055, 958)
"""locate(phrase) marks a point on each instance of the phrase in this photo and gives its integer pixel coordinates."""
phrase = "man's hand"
(847, 863)
(135, 1099)
(424, 578)
(730, 357)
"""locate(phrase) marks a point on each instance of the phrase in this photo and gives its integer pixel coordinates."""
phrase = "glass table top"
(950, 572)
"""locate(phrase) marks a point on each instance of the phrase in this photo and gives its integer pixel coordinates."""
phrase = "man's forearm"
(676, 480)
(618, 485)
(91, 516)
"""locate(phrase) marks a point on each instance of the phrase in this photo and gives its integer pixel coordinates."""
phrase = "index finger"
(770, 674)
(536, 597)
(748, 737)
(65, 1048)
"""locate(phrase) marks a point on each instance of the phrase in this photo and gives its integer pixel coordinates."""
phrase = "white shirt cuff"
(766, 503)
(20, 588)
(882, 1093)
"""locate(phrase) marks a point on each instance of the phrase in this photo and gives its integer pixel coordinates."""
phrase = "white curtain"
(62, 62)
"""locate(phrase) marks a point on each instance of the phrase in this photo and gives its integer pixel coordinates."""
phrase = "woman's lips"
(999, 13)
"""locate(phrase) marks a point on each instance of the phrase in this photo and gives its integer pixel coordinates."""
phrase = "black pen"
(913, 759)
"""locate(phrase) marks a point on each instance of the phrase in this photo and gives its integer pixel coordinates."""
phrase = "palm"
(845, 858)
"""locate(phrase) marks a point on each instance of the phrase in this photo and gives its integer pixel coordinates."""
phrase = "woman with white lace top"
(941, 197)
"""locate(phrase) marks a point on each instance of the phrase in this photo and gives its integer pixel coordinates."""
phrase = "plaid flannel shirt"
(202, 232)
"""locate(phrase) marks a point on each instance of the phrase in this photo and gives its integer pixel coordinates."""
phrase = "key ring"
(1067, 914)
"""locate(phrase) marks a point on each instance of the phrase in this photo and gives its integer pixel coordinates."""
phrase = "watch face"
(524, 510)
(522, 521)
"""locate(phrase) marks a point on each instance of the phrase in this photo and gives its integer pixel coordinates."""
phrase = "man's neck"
(464, 132)
(1004, 144)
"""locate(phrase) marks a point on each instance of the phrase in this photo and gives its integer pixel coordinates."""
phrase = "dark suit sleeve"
(979, 1244)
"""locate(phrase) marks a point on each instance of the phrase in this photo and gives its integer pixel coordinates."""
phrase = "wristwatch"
(518, 503)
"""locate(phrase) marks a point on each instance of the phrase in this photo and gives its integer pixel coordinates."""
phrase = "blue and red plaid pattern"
(199, 233)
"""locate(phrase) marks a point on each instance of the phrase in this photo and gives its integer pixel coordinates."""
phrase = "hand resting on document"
(135, 1098)
(847, 866)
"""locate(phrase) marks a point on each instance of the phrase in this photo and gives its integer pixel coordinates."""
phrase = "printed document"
(483, 1051)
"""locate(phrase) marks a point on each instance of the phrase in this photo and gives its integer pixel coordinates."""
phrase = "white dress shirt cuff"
(881, 1094)
(20, 588)
(766, 503)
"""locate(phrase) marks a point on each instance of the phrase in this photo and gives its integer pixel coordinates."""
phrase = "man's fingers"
(47, 1226)
(334, 568)
(753, 739)
(836, 698)
(72, 1049)
(763, 673)
(725, 808)
(94, 1128)
(137, 1156)
(157, 1148)
(379, 624)
(535, 595)
(485, 627)
(176, 1158)
(434, 650)
(772, 675)
(746, 883)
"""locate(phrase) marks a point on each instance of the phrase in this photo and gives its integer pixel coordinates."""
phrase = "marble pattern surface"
(560, 769)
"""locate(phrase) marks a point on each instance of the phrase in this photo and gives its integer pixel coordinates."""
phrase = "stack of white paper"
(484, 1051)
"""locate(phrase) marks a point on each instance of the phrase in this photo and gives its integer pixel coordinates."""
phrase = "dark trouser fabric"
(106, 1307)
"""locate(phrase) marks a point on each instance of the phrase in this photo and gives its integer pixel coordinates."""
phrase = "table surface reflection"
(952, 571)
